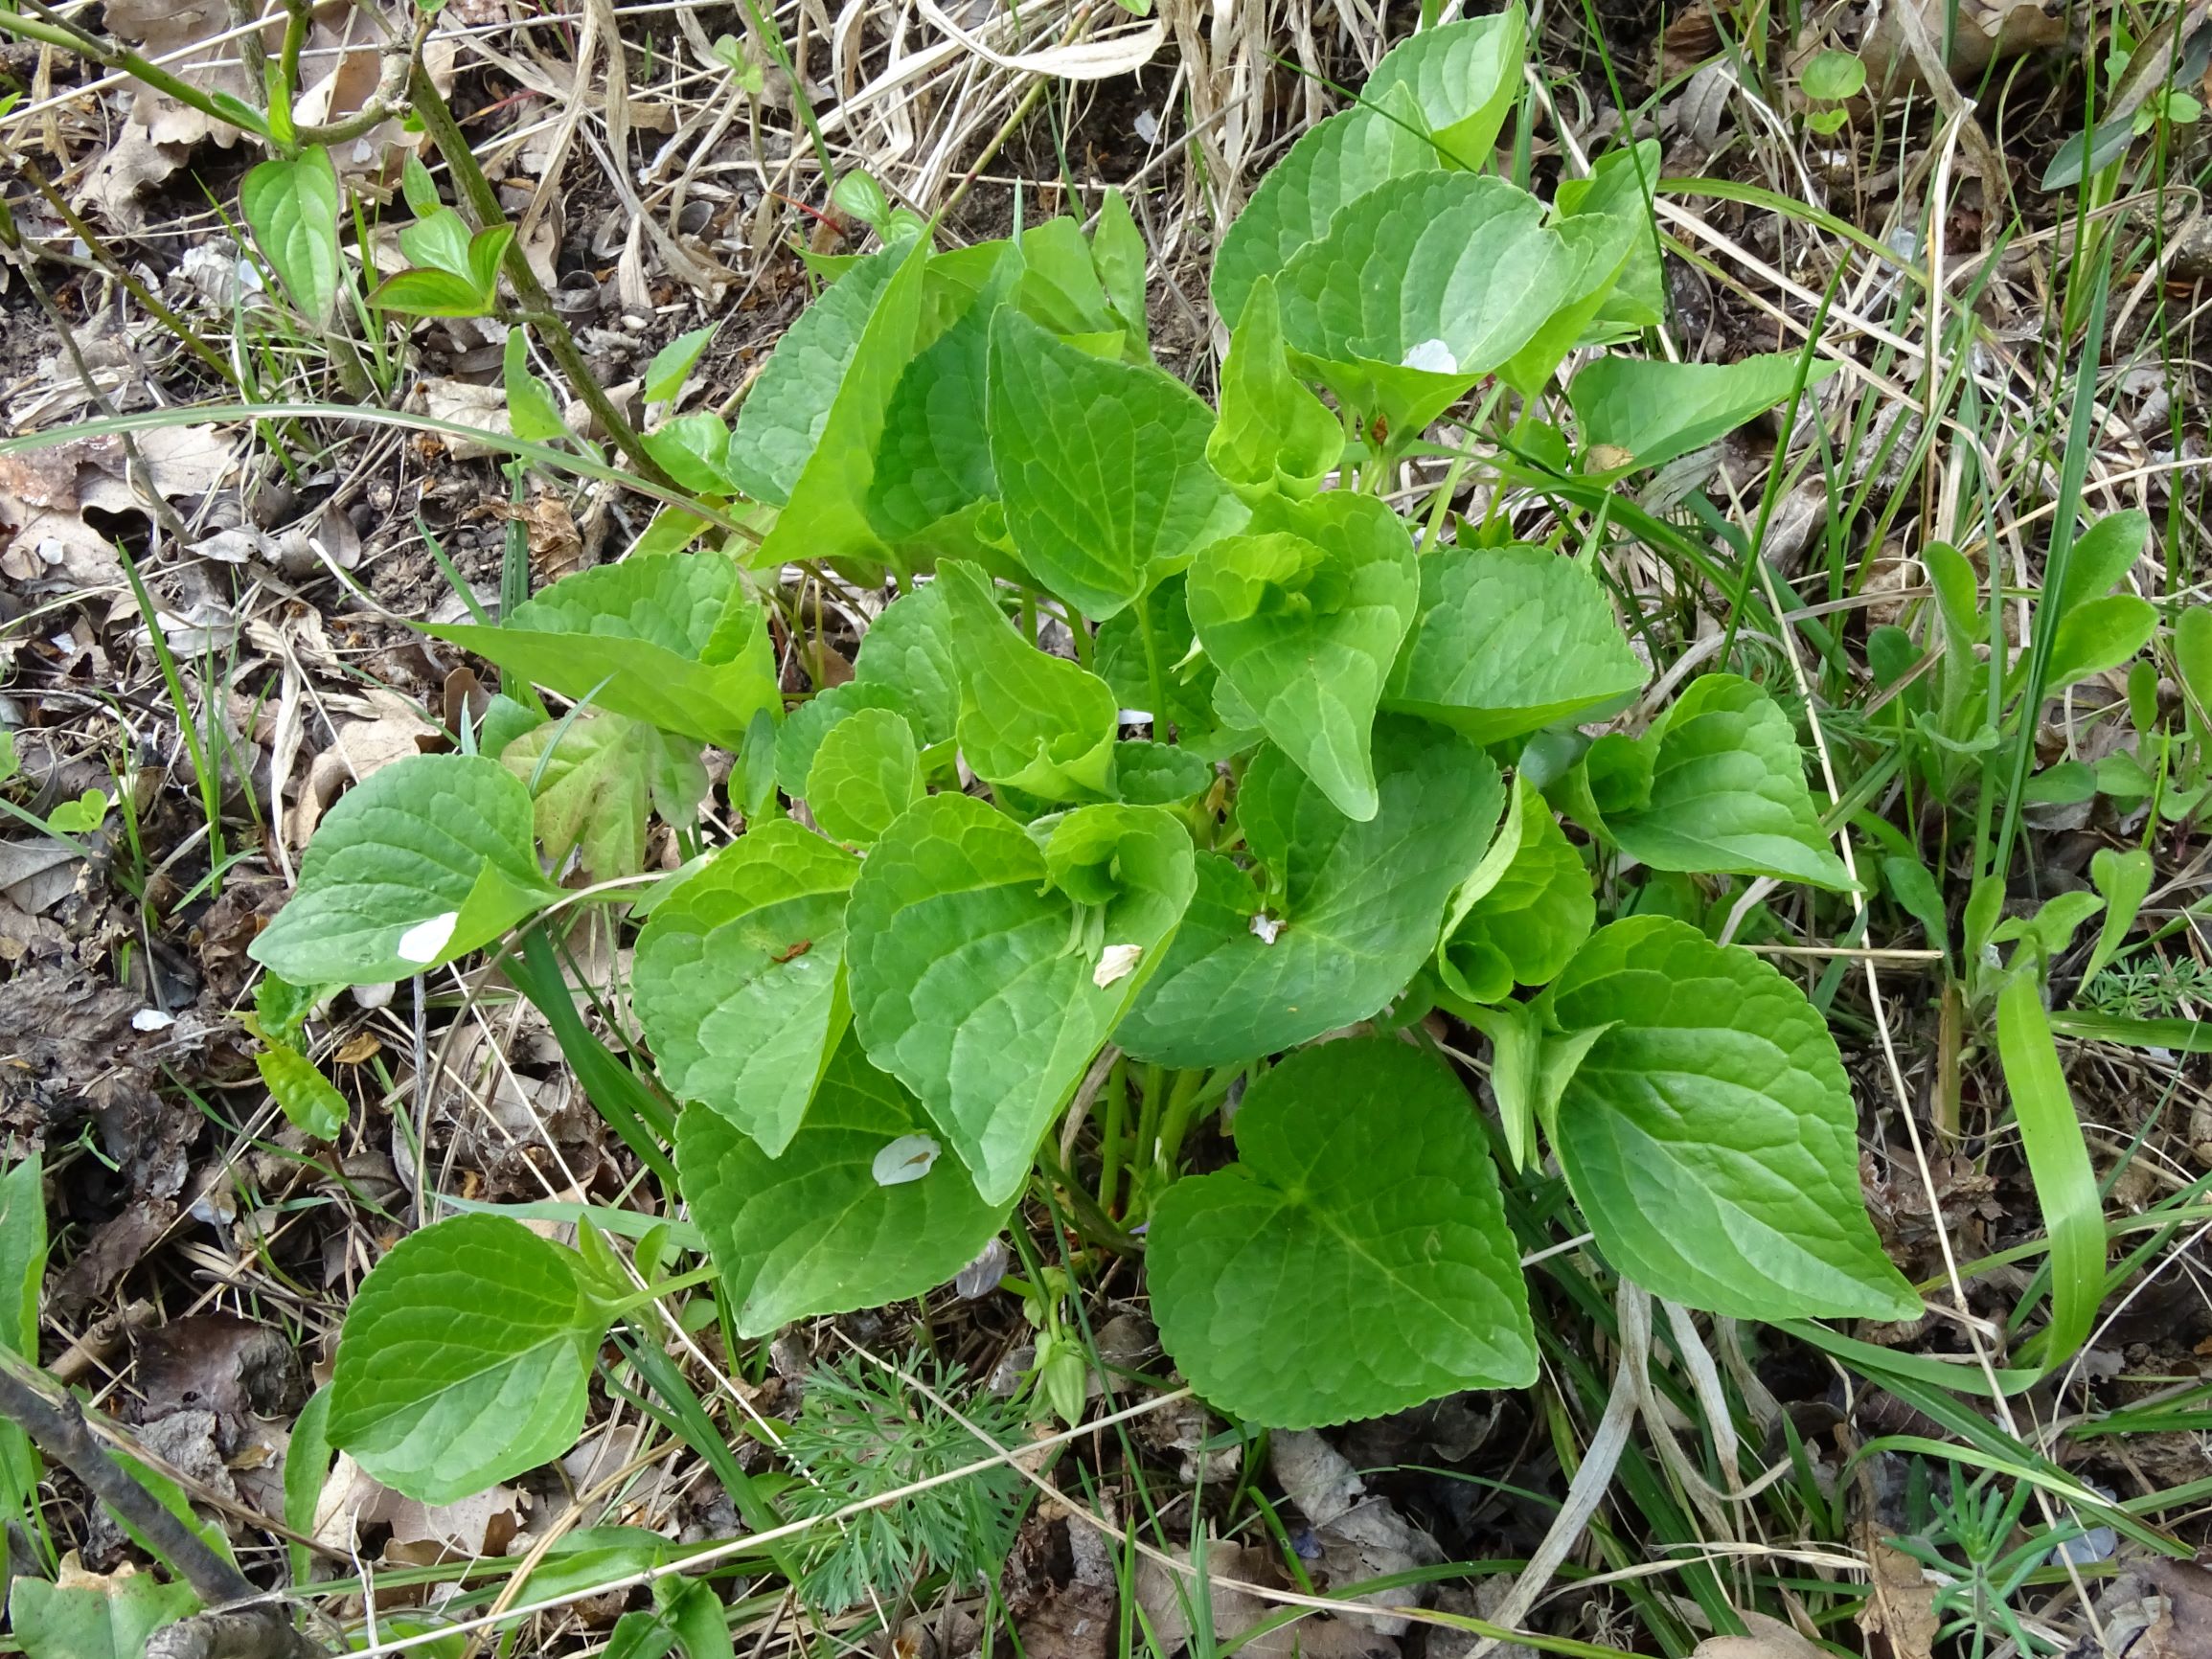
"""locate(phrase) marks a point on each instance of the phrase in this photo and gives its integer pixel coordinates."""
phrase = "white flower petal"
(422, 941)
(1115, 962)
(1266, 926)
(906, 1159)
(1433, 355)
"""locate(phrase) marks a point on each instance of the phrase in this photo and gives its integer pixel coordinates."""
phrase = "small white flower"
(422, 941)
(906, 1159)
(1266, 926)
(1115, 962)
(1433, 355)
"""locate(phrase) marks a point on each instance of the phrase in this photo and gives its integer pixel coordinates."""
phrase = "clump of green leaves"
(862, 1432)
(1308, 766)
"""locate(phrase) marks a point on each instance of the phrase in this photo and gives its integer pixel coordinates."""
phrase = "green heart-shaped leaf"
(465, 1359)
(1273, 434)
(1101, 467)
(1303, 616)
(428, 293)
(1709, 1134)
(1511, 639)
(1464, 78)
(837, 441)
(815, 1230)
(1036, 722)
(1437, 99)
(1523, 926)
(781, 422)
(1653, 411)
(1420, 288)
(291, 206)
(1350, 912)
(866, 772)
(1355, 1260)
(934, 460)
(739, 978)
(676, 642)
(1727, 791)
(1334, 164)
(427, 859)
(984, 989)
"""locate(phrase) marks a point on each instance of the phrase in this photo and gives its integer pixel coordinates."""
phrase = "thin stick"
(52, 1417)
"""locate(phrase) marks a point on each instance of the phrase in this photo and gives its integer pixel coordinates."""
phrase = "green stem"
(1153, 672)
(297, 17)
(481, 205)
(1116, 1126)
(1095, 1225)
(57, 32)
(1149, 1114)
(203, 764)
(1175, 1120)
(652, 1293)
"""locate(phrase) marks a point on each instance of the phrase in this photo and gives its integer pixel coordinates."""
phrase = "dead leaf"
(1691, 37)
(361, 747)
(181, 462)
(555, 547)
(465, 404)
(113, 1250)
(220, 1363)
(48, 477)
(35, 875)
(353, 1500)
(2183, 1630)
(1770, 1639)
(235, 545)
(41, 497)
(72, 1053)
(1989, 32)
(166, 30)
(1314, 1475)
(1372, 1541)
(134, 163)
(1164, 1596)
(1903, 1604)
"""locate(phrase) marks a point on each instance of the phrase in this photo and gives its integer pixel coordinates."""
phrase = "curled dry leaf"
(353, 1500)
(1769, 1638)
(49, 546)
(387, 732)
(1901, 1606)
(465, 404)
(1989, 32)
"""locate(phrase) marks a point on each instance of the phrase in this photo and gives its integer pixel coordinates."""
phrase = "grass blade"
(2059, 1160)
